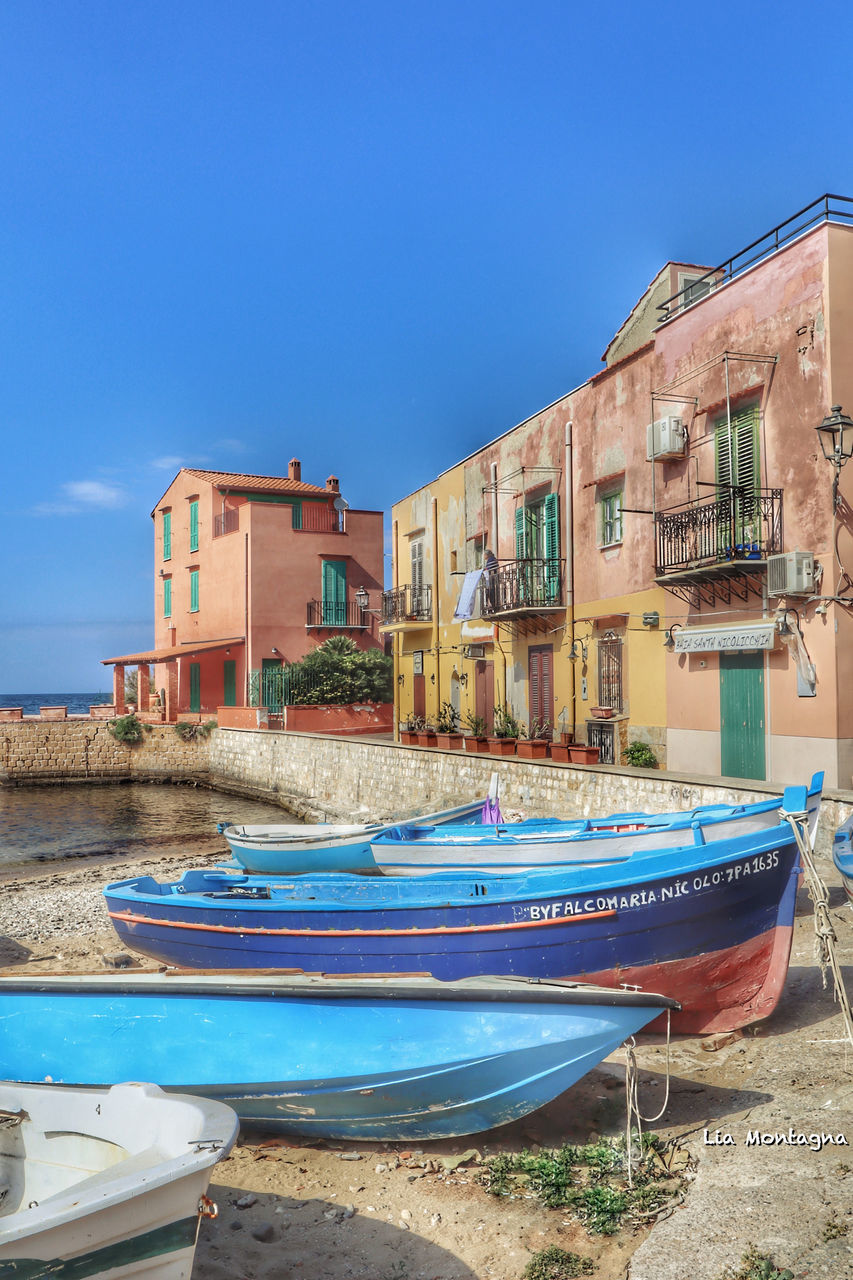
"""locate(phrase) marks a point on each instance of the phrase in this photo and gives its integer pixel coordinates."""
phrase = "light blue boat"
(401, 1057)
(842, 855)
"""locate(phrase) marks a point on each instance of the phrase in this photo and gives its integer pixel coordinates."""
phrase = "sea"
(111, 822)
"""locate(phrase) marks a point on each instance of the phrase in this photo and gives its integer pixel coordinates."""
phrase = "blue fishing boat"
(301, 848)
(402, 1058)
(708, 924)
(842, 855)
(442, 843)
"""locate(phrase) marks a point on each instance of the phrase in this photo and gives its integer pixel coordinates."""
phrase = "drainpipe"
(248, 646)
(398, 639)
(570, 555)
(435, 602)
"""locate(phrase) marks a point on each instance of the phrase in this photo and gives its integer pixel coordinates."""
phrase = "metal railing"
(827, 208)
(737, 524)
(407, 604)
(317, 518)
(334, 613)
(602, 735)
(522, 584)
(226, 522)
(279, 687)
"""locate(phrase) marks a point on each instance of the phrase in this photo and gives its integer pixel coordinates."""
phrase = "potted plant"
(602, 713)
(560, 750)
(474, 738)
(427, 735)
(447, 728)
(409, 732)
(581, 753)
(506, 732)
(534, 745)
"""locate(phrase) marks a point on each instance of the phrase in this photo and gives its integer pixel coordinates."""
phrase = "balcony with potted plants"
(528, 591)
(406, 607)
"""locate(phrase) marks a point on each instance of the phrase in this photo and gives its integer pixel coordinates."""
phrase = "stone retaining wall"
(80, 750)
(333, 779)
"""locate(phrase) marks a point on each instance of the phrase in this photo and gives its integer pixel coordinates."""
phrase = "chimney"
(333, 484)
(294, 469)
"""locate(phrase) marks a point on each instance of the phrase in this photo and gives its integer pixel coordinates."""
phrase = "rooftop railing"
(828, 208)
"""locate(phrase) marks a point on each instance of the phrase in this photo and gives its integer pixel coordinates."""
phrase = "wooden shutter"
(736, 457)
(193, 526)
(194, 591)
(167, 535)
(167, 597)
(334, 593)
(520, 547)
(552, 546)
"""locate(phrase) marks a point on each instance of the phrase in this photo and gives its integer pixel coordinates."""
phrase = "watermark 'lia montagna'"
(776, 1138)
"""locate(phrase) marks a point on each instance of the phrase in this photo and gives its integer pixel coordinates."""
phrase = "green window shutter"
(167, 535)
(167, 597)
(520, 543)
(229, 683)
(736, 458)
(194, 591)
(334, 593)
(552, 545)
(195, 686)
(193, 526)
(296, 511)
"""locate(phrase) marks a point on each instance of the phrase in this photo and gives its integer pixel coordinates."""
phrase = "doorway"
(742, 723)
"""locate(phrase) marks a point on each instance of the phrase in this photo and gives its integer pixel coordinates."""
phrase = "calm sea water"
(129, 820)
(77, 703)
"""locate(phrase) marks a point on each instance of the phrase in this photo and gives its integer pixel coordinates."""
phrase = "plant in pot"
(474, 736)
(409, 731)
(534, 744)
(427, 735)
(447, 728)
(639, 755)
(506, 731)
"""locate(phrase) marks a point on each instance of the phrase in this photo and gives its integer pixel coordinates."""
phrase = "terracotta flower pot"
(533, 748)
(427, 738)
(502, 746)
(449, 741)
(602, 713)
(579, 754)
(476, 744)
(408, 737)
(560, 751)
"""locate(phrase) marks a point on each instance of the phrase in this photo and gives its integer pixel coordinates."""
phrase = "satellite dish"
(340, 504)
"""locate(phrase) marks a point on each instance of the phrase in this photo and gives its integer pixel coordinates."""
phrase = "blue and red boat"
(708, 924)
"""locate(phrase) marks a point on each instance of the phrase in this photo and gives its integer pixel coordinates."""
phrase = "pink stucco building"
(251, 573)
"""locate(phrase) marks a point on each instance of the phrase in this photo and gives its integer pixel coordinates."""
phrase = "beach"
(375, 1211)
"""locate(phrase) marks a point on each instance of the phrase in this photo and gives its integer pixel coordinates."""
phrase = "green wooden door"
(271, 684)
(229, 681)
(742, 715)
(195, 686)
(334, 593)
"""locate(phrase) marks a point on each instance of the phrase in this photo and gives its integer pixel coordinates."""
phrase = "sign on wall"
(758, 635)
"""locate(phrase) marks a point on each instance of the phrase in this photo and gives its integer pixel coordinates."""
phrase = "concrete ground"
(730, 1098)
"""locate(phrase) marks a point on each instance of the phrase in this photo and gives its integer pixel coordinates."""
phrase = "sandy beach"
(390, 1212)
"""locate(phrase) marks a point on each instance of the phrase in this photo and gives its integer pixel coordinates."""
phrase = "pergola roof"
(171, 654)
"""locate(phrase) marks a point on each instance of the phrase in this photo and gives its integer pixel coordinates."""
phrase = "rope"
(825, 936)
(632, 1098)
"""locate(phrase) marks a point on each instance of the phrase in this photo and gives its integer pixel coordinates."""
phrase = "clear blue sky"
(373, 235)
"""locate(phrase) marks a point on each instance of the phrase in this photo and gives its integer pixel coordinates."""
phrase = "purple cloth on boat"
(492, 812)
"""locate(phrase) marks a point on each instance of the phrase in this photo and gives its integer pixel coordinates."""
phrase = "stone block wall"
(76, 750)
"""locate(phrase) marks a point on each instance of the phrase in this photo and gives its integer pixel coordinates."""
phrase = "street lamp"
(836, 441)
(362, 598)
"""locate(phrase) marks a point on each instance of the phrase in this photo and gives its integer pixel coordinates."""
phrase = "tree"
(337, 671)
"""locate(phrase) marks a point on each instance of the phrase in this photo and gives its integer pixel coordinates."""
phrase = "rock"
(264, 1232)
(246, 1202)
(349, 1155)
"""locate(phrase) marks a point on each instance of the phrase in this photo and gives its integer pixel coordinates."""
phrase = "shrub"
(640, 756)
(506, 725)
(475, 726)
(126, 729)
(188, 732)
(448, 718)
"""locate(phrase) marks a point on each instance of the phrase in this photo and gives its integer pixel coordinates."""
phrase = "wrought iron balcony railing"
(227, 522)
(333, 613)
(738, 524)
(407, 604)
(522, 585)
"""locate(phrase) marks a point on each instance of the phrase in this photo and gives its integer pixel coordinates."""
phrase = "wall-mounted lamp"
(463, 679)
(836, 441)
(578, 650)
(432, 678)
(276, 652)
(362, 598)
(401, 678)
(669, 642)
(782, 625)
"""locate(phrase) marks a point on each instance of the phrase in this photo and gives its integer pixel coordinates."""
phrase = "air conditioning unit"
(790, 574)
(666, 438)
(474, 651)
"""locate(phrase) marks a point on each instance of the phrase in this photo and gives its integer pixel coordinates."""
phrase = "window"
(736, 471)
(693, 288)
(167, 535)
(610, 671)
(167, 597)
(193, 590)
(194, 525)
(537, 538)
(611, 518)
(418, 595)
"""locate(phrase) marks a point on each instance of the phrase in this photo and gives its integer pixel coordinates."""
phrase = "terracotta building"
(251, 573)
(672, 566)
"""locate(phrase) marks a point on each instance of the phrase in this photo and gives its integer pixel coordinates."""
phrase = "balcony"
(718, 548)
(314, 517)
(523, 590)
(406, 604)
(226, 522)
(342, 615)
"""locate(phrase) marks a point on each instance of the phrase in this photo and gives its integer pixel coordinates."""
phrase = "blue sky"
(371, 235)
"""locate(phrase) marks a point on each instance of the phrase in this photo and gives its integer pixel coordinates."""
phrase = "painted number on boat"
(663, 893)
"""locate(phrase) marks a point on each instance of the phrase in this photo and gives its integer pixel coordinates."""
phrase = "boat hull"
(393, 1059)
(686, 917)
(105, 1183)
(842, 856)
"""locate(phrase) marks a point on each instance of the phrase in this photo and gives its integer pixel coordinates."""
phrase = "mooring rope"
(825, 936)
(632, 1098)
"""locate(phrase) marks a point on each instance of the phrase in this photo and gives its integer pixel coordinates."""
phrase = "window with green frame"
(167, 535)
(611, 517)
(193, 590)
(194, 525)
(737, 476)
(167, 597)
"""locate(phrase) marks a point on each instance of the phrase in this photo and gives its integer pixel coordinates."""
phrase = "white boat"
(105, 1183)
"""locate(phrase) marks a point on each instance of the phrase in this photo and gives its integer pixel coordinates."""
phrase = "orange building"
(251, 573)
